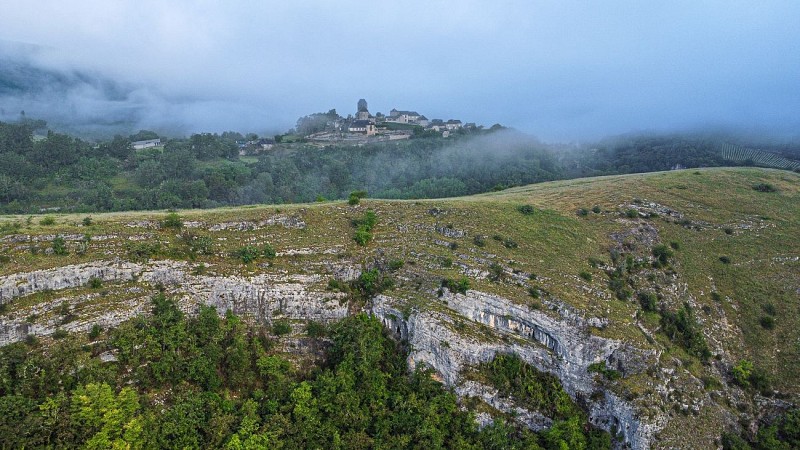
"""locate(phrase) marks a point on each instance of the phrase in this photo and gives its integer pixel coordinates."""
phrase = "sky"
(559, 70)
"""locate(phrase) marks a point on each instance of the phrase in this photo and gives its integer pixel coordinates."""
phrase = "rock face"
(471, 329)
(563, 347)
(261, 297)
(20, 284)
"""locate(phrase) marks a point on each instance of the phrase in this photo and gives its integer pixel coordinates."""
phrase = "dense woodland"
(216, 382)
(206, 170)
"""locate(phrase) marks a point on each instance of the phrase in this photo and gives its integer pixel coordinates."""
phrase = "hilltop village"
(364, 127)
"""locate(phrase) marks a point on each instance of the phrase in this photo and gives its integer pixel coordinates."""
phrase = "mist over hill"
(93, 105)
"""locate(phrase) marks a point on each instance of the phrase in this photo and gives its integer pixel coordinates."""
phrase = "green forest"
(61, 172)
(218, 382)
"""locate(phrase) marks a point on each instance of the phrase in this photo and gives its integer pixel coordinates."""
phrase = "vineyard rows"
(760, 158)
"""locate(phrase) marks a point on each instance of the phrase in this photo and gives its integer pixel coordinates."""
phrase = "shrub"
(648, 300)
(339, 286)
(600, 367)
(769, 308)
(281, 327)
(372, 282)
(767, 322)
(764, 187)
(479, 240)
(446, 262)
(732, 441)
(59, 246)
(596, 209)
(585, 275)
(247, 254)
(47, 221)
(496, 272)
(396, 264)
(95, 283)
(172, 220)
(457, 287)
(534, 292)
(453, 245)
(595, 262)
(682, 328)
(725, 259)
(142, 250)
(356, 196)
(662, 253)
(364, 227)
(268, 251)
(526, 209)
(509, 243)
(631, 213)
(583, 212)
(316, 329)
(728, 231)
(675, 245)
(87, 221)
(362, 236)
(60, 333)
(95, 331)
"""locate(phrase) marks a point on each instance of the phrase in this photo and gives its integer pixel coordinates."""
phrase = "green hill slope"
(641, 293)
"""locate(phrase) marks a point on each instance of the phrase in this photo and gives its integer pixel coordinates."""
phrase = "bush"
(526, 209)
(281, 327)
(47, 221)
(355, 197)
(172, 220)
(372, 282)
(596, 209)
(767, 322)
(585, 275)
(95, 331)
(764, 187)
(87, 221)
(479, 240)
(662, 253)
(362, 236)
(648, 300)
(142, 250)
(631, 213)
(457, 287)
(682, 328)
(59, 246)
(583, 212)
(608, 373)
(268, 251)
(364, 227)
(338, 286)
(496, 272)
(247, 254)
(396, 264)
(725, 259)
(60, 333)
(741, 373)
(509, 243)
(534, 292)
(675, 245)
(316, 329)
(95, 283)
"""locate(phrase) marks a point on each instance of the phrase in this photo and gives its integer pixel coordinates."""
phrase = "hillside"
(646, 294)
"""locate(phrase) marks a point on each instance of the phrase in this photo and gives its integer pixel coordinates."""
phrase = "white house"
(362, 126)
(138, 145)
